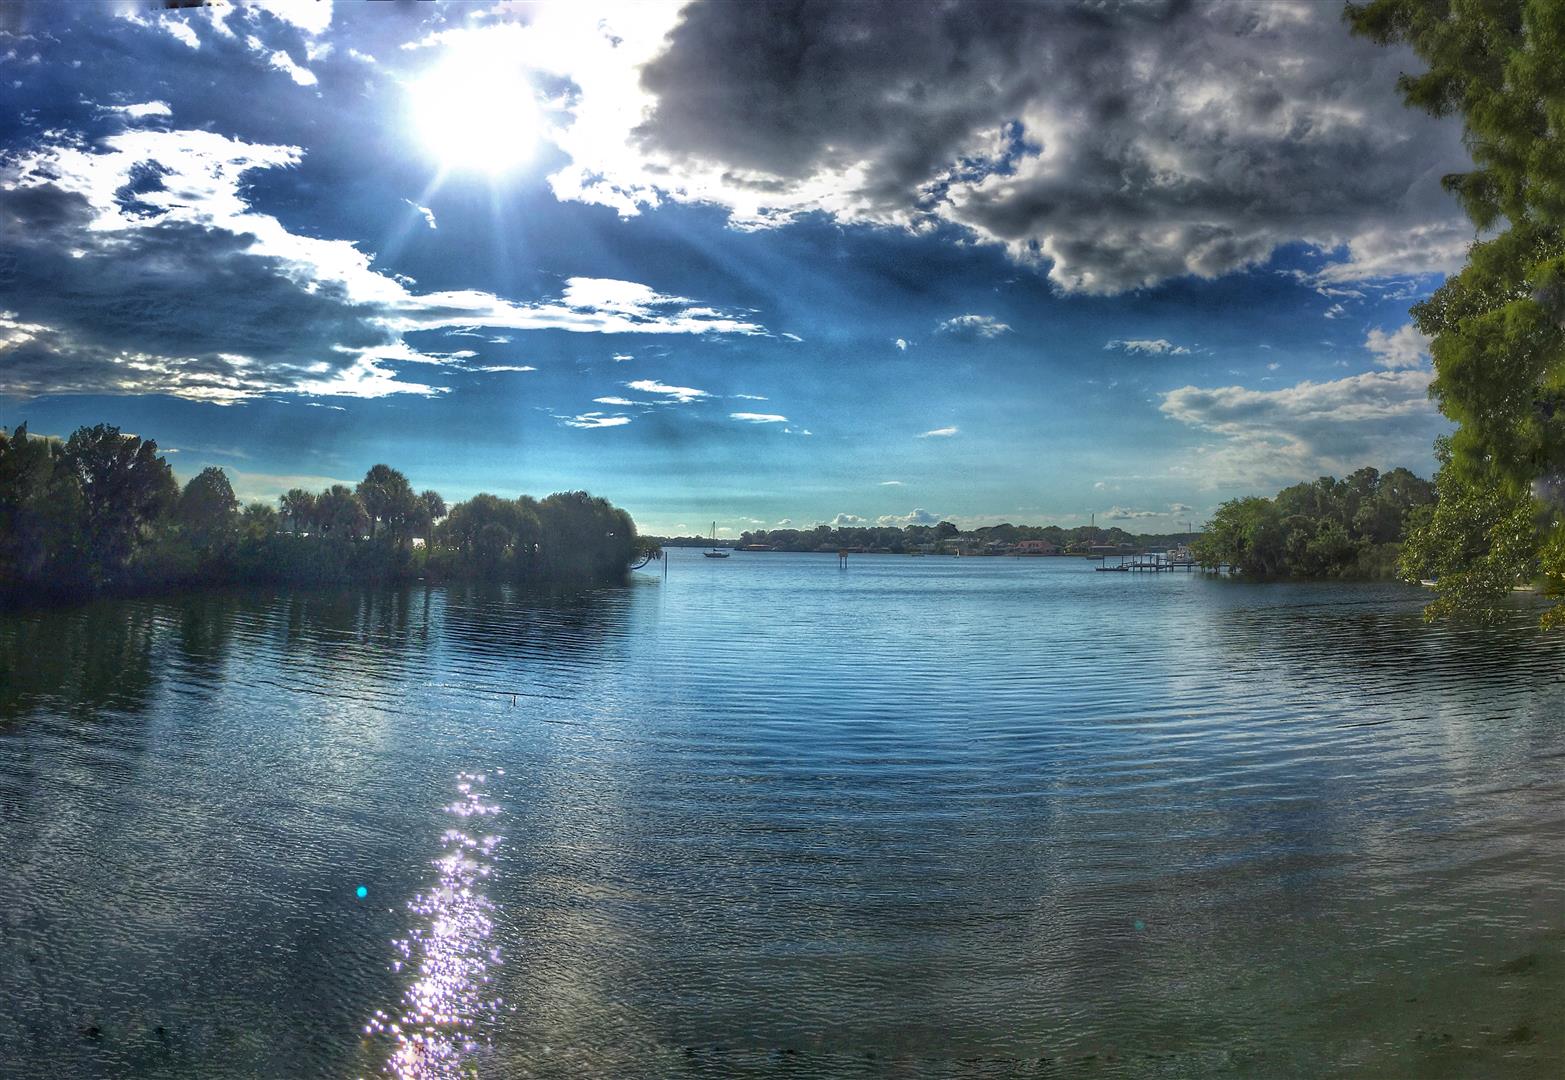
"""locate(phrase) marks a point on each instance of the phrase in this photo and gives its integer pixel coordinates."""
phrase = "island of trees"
(1350, 528)
(102, 511)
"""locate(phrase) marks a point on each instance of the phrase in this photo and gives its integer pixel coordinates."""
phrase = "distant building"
(1036, 547)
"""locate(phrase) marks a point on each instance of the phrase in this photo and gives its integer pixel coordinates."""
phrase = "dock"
(1155, 562)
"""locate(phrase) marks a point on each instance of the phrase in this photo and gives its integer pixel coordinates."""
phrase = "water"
(919, 817)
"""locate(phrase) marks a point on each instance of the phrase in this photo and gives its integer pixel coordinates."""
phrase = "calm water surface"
(919, 817)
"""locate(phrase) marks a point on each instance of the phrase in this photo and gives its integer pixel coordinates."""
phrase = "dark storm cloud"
(172, 289)
(1123, 143)
(168, 307)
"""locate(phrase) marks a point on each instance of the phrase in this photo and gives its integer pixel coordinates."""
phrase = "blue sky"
(763, 263)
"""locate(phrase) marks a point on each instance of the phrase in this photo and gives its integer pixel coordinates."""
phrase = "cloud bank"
(1117, 145)
(1263, 438)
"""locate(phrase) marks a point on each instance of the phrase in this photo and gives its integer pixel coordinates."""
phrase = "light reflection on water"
(451, 1001)
(915, 817)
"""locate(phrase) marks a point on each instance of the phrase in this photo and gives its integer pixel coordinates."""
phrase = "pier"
(1156, 562)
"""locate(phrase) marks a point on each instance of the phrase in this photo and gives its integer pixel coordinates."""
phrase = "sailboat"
(715, 553)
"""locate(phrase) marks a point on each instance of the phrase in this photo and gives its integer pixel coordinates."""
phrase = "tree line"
(1349, 528)
(945, 535)
(102, 510)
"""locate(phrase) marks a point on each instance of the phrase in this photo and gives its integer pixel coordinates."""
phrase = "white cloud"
(181, 31)
(429, 215)
(902, 521)
(901, 344)
(1149, 346)
(318, 317)
(681, 394)
(496, 368)
(785, 522)
(939, 433)
(974, 327)
(758, 418)
(142, 110)
(1404, 348)
(1122, 513)
(1265, 438)
(594, 420)
(620, 357)
(622, 402)
(313, 17)
(848, 521)
(749, 397)
(285, 63)
(891, 483)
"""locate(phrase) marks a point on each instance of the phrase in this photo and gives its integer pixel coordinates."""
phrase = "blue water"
(769, 817)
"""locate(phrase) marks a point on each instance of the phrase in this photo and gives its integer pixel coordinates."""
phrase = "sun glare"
(475, 112)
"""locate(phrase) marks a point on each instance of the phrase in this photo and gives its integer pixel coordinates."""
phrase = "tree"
(1247, 534)
(40, 512)
(298, 510)
(340, 515)
(257, 523)
(1498, 327)
(208, 509)
(584, 537)
(389, 501)
(430, 509)
(125, 486)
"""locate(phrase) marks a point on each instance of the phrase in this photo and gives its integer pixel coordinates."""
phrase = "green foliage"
(208, 512)
(102, 510)
(388, 499)
(431, 508)
(299, 511)
(570, 536)
(125, 487)
(583, 537)
(1478, 544)
(1348, 528)
(1499, 325)
(339, 515)
(41, 511)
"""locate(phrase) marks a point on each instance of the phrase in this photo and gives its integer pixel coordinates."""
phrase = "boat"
(715, 553)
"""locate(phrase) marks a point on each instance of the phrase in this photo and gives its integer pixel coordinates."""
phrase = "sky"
(768, 264)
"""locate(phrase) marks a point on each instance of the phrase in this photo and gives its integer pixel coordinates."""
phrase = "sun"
(474, 111)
